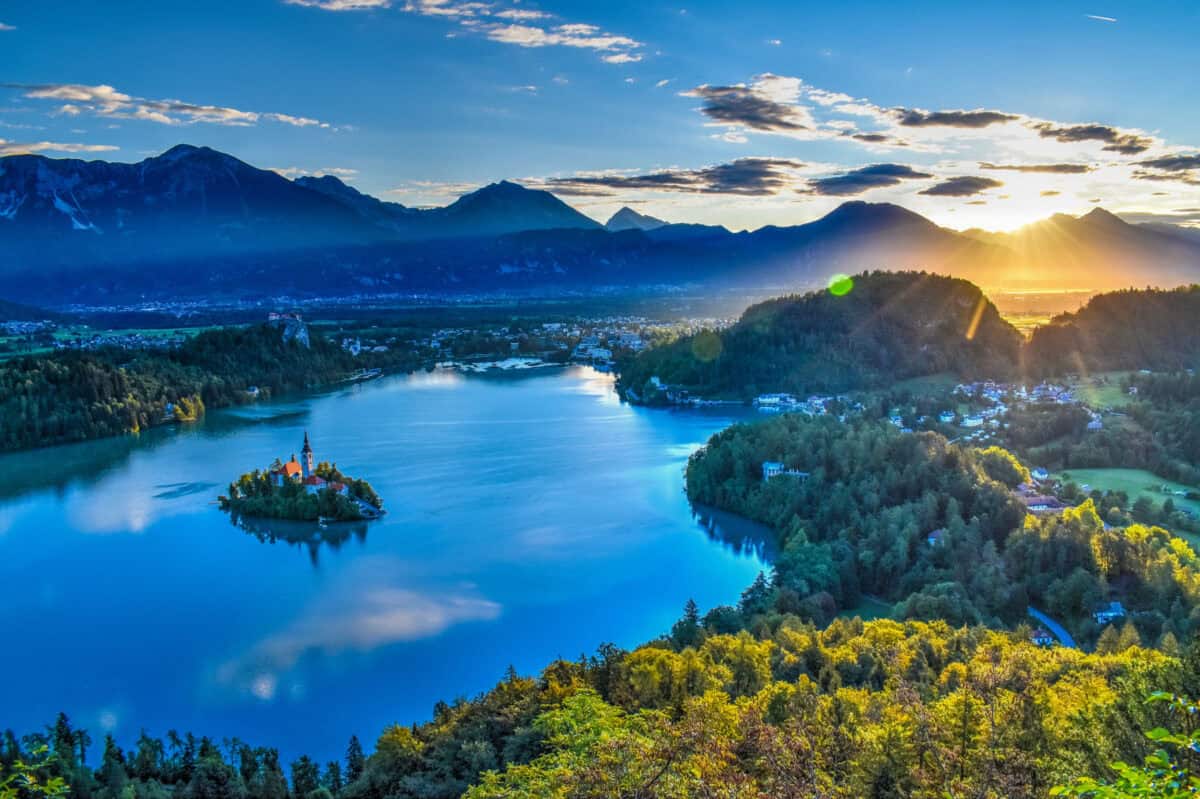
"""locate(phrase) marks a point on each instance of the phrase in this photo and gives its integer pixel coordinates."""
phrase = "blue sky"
(739, 113)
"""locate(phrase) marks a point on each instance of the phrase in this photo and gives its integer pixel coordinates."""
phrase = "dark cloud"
(858, 181)
(1174, 163)
(979, 118)
(742, 105)
(876, 138)
(745, 176)
(1182, 216)
(1059, 169)
(977, 202)
(962, 186)
(1114, 140)
(1050, 193)
(1178, 177)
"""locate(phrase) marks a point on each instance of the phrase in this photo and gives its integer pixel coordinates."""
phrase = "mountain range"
(194, 222)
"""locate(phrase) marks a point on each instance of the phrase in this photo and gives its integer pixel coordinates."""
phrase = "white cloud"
(293, 172)
(505, 22)
(367, 609)
(1099, 18)
(105, 101)
(775, 42)
(4, 27)
(662, 83)
(340, 5)
(25, 148)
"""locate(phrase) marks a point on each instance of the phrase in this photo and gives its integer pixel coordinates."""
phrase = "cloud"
(862, 180)
(293, 172)
(106, 101)
(526, 27)
(1186, 217)
(1057, 169)
(979, 118)
(769, 104)
(1114, 139)
(362, 612)
(775, 42)
(1174, 163)
(662, 83)
(746, 177)
(962, 186)
(787, 106)
(1099, 18)
(1189, 178)
(340, 5)
(4, 27)
(26, 148)
(1050, 193)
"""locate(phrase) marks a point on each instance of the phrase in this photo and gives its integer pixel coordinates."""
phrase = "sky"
(984, 114)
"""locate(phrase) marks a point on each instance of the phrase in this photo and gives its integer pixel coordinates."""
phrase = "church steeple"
(306, 457)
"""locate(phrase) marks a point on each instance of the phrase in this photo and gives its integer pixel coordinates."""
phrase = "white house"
(1106, 614)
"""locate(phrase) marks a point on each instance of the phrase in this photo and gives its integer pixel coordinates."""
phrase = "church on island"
(302, 471)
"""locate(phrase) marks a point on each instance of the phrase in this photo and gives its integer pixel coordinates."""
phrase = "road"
(1054, 627)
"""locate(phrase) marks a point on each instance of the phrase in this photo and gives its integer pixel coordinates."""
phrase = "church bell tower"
(306, 457)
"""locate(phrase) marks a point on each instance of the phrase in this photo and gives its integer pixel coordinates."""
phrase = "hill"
(1134, 329)
(887, 327)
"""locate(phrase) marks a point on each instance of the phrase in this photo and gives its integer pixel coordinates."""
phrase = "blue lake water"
(530, 516)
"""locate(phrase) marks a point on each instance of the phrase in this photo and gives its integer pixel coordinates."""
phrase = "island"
(298, 490)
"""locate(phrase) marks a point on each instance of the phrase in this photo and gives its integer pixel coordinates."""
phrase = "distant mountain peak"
(860, 212)
(629, 219)
(1100, 216)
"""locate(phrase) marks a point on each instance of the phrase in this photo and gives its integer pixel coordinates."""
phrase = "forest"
(744, 703)
(936, 530)
(76, 396)
(1133, 329)
(889, 326)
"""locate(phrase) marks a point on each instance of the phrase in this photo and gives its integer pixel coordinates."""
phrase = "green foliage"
(892, 326)
(1167, 773)
(1003, 467)
(1135, 329)
(860, 523)
(76, 396)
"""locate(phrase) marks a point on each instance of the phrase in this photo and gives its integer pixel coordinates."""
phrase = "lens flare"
(841, 285)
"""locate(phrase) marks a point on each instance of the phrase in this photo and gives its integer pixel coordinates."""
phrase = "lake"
(530, 516)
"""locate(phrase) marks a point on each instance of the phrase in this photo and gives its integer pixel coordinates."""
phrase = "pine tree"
(686, 631)
(1130, 637)
(332, 779)
(355, 760)
(1109, 641)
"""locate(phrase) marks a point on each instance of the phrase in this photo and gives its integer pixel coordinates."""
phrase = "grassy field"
(1101, 390)
(1134, 482)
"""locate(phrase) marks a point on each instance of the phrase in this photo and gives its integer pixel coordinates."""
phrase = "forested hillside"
(75, 396)
(935, 529)
(856, 710)
(1136, 329)
(875, 328)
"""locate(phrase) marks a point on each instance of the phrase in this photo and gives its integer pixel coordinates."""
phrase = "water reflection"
(741, 535)
(307, 535)
(372, 605)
